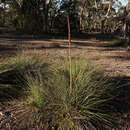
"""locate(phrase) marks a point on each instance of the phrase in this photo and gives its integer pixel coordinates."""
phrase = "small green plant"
(54, 45)
(20, 62)
(13, 71)
(117, 43)
(49, 104)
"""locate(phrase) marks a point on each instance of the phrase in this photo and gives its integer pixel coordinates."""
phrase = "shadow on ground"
(124, 98)
(124, 57)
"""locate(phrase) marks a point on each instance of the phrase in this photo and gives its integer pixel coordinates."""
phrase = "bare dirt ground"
(115, 60)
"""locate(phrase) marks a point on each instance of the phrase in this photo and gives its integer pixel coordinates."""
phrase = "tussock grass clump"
(54, 45)
(21, 62)
(50, 105)
(118, 43)
(13, 71)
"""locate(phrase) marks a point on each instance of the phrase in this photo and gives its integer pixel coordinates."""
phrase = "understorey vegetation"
(36, 94)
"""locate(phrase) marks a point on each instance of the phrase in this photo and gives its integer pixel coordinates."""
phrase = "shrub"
(21, 62)
(49, 103)
(54, 45)
(116, 43)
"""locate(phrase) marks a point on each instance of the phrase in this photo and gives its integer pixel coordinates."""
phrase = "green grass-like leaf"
(49, 104)
(13, 71)
(118, 43)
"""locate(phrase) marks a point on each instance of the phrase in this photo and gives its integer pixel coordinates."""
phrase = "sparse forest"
(64, 64)
(49, 16)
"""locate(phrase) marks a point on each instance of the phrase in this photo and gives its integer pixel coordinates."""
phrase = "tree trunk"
(4, 5)
(46, 18)
(81, 14)
(125, 30)
(45, 14)
(102, 26)
(80, 24)
(129, 33)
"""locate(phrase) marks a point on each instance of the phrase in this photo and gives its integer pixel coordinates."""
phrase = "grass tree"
(47, 102)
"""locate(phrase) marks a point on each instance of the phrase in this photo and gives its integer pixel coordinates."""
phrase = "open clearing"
(115, 60)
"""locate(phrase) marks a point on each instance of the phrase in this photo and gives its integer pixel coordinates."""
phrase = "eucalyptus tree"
(31, 15)
(45, 15)
(104, 10)
(3, 11)
(1, 16)
(82, 7)
(97, 13)
(67, 7)
(127, 21)
(46, 4)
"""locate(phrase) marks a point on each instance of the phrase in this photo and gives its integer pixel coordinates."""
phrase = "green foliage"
(38, 16)
(18, 22)
(117, 43)
(49, 104)
(54, 44)
(20, 63)
(13, 71)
